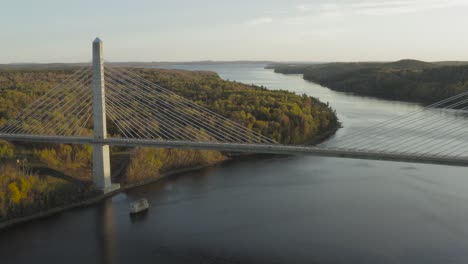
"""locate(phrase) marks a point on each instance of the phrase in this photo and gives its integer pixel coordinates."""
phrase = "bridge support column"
(101, 167)
(101, 158)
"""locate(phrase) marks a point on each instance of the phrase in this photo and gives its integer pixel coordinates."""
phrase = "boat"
(139, 206)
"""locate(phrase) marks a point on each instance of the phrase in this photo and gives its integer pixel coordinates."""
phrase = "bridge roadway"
(245, 148)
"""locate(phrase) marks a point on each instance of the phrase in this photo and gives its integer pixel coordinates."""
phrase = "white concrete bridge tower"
(101, 158)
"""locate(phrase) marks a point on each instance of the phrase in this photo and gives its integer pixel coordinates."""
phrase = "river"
(275, 210)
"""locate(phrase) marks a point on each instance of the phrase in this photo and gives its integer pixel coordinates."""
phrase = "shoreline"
(91, 201)
(355, 93)
(57, 210)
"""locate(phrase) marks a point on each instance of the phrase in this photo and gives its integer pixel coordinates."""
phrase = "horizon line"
(232, 61)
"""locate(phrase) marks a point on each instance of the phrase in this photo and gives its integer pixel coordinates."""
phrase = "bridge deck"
(246, 148)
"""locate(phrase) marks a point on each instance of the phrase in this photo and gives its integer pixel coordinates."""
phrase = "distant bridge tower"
(101, 158)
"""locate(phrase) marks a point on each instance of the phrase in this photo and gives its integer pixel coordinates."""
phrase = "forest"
(405, 80)
(35, 177)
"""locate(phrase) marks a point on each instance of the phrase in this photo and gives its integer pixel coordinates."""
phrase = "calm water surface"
(280, 210)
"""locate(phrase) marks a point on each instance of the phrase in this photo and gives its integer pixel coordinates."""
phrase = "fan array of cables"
(137, 108)
(439, 129)
(141, 109)
(64, 110)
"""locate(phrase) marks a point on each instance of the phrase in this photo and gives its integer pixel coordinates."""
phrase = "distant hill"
(39, 66)
(409, 64)
(134, 64)
(408, 80)
(451, 63)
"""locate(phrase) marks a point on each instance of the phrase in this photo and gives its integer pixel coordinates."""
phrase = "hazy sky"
(281, 30)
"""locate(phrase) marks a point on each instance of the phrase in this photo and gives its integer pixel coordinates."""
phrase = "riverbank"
(231, 158)
(96, 199)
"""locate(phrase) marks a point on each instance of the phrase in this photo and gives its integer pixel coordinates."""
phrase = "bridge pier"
(101, 157)
(101, 167)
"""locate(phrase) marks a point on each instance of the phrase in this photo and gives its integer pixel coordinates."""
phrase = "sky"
(276, 30)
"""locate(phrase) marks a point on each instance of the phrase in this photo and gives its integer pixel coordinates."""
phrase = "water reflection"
(140, 217)
(105, 234)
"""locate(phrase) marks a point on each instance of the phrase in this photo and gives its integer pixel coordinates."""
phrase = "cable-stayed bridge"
(146, 114)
